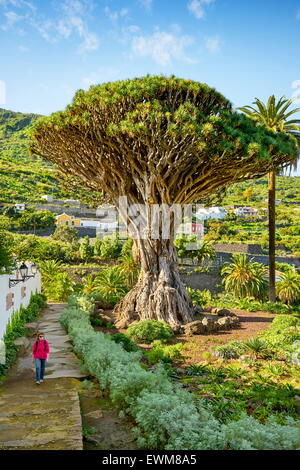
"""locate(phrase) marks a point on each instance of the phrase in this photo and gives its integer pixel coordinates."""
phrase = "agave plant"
(256, 346)
(245, 278)
(288, 289)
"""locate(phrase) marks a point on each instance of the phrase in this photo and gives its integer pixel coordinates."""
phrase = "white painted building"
(12, 298)
(214, 212)
(47, 197)
(20, 207)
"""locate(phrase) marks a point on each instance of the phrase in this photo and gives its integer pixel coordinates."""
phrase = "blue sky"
(49, 49)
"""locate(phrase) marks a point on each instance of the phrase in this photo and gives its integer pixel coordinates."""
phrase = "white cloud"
(213, 44)
(147, 4)
(163, 47)
(132, 29)
(90, 43)
(115, 15)
(69, 18)
(12, 17)
(197, 7)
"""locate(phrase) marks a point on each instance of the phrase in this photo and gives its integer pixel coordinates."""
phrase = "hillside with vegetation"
(25, 177)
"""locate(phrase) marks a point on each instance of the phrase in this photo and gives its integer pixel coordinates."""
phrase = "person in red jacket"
(40, 352)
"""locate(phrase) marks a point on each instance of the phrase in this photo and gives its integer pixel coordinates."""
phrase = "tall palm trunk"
(272, 228)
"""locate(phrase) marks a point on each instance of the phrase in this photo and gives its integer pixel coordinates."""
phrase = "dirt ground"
(251, 323)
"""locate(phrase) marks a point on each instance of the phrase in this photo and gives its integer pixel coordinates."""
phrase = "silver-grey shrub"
(167, 416)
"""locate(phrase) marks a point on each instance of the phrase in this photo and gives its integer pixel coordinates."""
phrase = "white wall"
(33, 285)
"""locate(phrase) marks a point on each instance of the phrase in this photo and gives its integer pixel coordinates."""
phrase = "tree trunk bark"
(159, 293)
(272, 229)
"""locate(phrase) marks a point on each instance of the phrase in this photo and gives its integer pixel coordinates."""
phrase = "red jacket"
(40, 350)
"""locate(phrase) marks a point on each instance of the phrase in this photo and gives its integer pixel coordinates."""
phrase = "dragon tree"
(158, 140)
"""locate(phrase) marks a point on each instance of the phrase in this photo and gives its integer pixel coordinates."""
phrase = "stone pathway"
(45, 416)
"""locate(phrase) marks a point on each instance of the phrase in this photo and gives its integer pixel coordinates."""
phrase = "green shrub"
(161, 352)
(147, 331)
(232, 350)
(282, 333)
(200, 297)
(257, 347)
(97, 322)
(126, 342)
(15, 328)
(60, 287)
(110, 248)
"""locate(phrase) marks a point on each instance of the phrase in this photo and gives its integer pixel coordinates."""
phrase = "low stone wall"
(210, 281)
(223, 257)
(238, 248)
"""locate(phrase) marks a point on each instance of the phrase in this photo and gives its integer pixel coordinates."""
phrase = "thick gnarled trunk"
(159, 293)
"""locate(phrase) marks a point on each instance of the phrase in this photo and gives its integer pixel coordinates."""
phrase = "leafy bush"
(97, 322)
(250, 304)
(129, 269)
(248, 434)
(65, 234)
(200, 297)
(282, 333)
(86, 251)
(127, 247)
(147, 331)
(161, 352)
(127, 344)
(60, 287)
(6, 259)
(15, 328)
(110, 248)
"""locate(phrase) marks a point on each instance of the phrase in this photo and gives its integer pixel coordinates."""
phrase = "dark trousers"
(40, 365)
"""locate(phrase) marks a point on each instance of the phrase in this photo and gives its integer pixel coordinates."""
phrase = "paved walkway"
(45, 416)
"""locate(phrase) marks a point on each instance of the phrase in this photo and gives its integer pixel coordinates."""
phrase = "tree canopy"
(6, 258)
(158, 140)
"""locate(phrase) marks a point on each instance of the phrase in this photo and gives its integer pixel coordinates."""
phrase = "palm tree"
(111, 284)
(89, 284)
(49, 269)
(129, 269)
(274, 116)
(206, 251)
(244, 278)
(288, 288)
